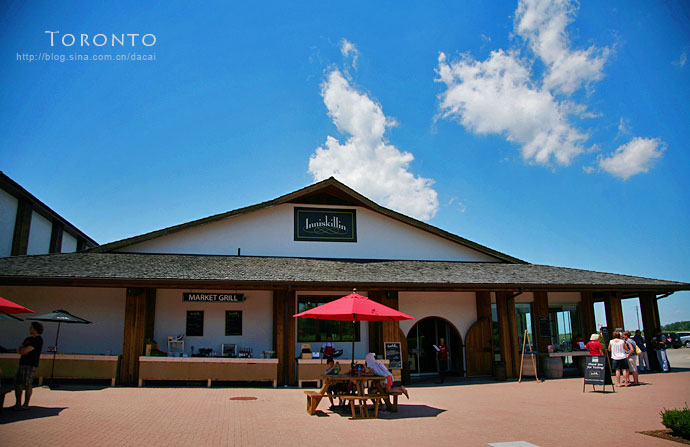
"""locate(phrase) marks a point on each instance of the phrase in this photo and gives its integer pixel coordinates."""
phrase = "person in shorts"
(632, 358)
(30, 351)
(619, 358)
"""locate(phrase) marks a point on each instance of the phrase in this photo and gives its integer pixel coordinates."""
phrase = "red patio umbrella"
(8, 307)
(354, 307)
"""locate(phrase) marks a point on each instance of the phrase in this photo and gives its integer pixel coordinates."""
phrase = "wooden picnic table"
(379, 394)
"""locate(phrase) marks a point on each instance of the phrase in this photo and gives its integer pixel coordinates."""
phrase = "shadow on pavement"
(8, 415)
(405, 411)
(408, 411)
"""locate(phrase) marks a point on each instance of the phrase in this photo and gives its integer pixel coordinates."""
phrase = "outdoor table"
(360, 382)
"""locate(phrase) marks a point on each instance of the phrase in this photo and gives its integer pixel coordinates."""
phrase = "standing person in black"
(442, 356)
(30, 352)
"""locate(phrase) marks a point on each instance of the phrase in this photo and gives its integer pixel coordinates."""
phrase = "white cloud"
(633, 158)
(683, 59)
(542, 24)
(500, 96)
(348, 49)
(366, 161)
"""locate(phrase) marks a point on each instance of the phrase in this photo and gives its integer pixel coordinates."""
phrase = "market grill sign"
(325, 225)
(213, 297)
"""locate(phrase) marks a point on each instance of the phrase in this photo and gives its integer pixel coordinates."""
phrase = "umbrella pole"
(52, 369)
(352, 364)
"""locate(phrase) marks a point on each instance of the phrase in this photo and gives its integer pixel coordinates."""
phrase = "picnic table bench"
(377, 394)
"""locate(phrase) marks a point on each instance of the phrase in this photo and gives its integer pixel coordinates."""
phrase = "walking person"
(30, 351)
(632, 357)
(642, 356)
(619, 357)
(442, 357)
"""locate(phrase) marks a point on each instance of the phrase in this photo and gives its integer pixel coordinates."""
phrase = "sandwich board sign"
(597, 372)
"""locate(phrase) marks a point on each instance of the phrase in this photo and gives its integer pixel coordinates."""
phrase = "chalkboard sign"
(195, 323)
(597, 370)
(544, 327)
(233, 322)
(392, 354)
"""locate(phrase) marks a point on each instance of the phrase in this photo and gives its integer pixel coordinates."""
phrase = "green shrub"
(678, 421)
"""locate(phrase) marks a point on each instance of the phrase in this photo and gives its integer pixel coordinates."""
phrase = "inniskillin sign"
(325, 225)
(213, 297)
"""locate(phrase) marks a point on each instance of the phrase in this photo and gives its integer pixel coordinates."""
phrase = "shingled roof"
(166, 270)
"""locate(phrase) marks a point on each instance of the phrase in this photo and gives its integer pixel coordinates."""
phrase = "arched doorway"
(420, 346)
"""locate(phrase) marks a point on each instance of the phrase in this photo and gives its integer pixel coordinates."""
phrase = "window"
(233, 322)
(312, 330)
(195, 323)
(523, 312)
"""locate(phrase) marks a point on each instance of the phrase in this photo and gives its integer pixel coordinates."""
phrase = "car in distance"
(684, 338)
(672, 340)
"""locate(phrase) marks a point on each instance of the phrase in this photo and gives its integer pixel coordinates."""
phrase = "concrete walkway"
(553, 413)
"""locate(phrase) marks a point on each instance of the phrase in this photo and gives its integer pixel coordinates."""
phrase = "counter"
(553, 364)
(208, 368)
(67, 366)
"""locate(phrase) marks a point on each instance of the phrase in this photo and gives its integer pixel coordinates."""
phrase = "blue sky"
(553, 132)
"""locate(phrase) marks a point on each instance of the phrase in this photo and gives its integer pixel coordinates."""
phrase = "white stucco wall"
(69, 243)
(564, 297)
(459, 308)
(39, 235)
(105, 307)
(269, 232)
(8, 216)
(361, 347)
(257, 320)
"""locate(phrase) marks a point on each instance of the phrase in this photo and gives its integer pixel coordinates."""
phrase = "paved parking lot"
(466, 413)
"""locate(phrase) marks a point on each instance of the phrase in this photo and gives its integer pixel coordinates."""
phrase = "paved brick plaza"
(554, 413)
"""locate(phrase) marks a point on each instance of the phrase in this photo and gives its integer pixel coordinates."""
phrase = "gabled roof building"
(237, 278)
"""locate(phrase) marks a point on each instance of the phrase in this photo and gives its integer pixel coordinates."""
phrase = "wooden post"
(540, 307)
(650, 323)
(614, 312)
(505, 306)
(390, 329)
(589, 323)
(139, 324)
(284, 334)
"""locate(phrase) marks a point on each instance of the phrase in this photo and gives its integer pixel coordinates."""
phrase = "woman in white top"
(619, 356)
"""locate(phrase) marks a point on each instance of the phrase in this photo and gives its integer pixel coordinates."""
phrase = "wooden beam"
(390, 329)
(483, 300)
(284, 334)
(614, 312)
(139, 317)
(279, 346)
(649, 307)
(650, 324)
(589, 323)
(56, 237)
(512, 314)
(540, 307)
(22, 227)
(291, 336)
(505, 332)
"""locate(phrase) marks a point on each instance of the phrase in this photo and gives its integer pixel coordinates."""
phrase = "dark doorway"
(420, 346)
